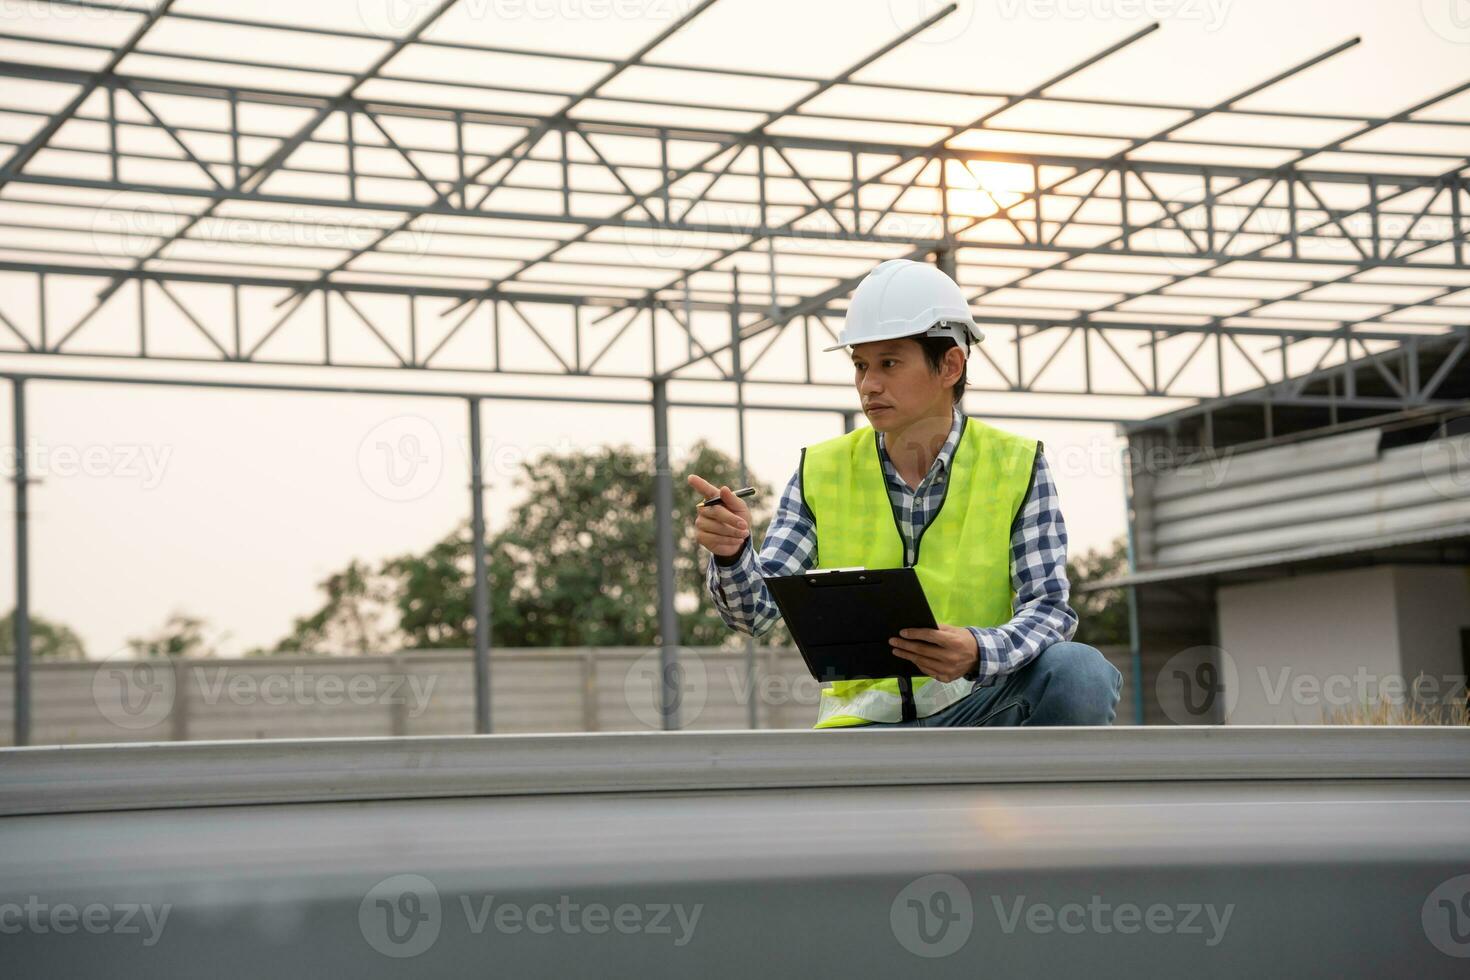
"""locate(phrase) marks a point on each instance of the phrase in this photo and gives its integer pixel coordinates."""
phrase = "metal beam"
(259, 173)
(694, 230)
(773, 190)
(569, 398)
(567, 56)
(1025, 382)
(850, 283)
(26, 153)
(1287, 172)
(905, 158)
(760, 129)
(525, 144)
(395, 108)
(1309, 328)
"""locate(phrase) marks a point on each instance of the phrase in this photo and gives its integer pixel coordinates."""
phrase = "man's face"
(896, 384)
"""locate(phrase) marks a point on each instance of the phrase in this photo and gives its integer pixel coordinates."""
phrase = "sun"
(980, 188)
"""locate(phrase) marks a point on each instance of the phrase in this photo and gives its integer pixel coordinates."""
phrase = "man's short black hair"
(934, 348)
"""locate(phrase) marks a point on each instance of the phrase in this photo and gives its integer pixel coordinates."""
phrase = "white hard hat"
(904, 298)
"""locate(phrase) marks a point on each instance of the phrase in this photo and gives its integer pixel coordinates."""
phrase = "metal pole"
(663, 531)
(1135, 647)
(22, 574)
(482, 585)
(1457, 187)
(944, 258)
(737, 374)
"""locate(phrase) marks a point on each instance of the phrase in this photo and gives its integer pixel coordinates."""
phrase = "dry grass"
(1408, 712)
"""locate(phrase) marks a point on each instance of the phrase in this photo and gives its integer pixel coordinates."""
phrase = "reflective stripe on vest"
(963, 556)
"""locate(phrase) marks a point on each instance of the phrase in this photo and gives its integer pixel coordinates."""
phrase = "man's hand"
(945, 654)
(722, 527)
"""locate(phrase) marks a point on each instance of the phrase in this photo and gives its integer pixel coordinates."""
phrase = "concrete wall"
(429, 693)
(1301, 646)
(1433, 605)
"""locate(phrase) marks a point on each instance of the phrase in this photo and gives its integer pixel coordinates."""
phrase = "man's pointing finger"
(703, 486)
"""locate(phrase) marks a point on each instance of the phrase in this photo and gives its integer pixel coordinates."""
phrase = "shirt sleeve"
(1041, 615)
(789, 548)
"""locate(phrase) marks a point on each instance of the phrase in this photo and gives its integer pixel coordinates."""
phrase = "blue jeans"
(1066, 684)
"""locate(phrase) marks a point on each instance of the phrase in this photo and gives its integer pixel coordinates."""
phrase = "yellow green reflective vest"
(962, 558)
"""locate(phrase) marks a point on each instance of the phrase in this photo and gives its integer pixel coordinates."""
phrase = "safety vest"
(962, 558)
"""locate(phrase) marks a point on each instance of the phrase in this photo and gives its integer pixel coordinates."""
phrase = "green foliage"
(583, 549)
(575, 565)
(49, 640)
(435, 593)
(182, 635)
(1102, 616)
(356, 618)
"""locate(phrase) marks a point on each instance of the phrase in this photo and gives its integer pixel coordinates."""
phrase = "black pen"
(742, 492)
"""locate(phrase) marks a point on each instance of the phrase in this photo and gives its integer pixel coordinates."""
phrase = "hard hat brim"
(976, 338)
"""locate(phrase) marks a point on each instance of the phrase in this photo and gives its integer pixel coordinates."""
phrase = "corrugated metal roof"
(1282, 557)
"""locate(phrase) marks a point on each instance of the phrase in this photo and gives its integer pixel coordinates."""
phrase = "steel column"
(1135, 646)
(482, 585)
(663, 531)
(22, 690)
(737, 375)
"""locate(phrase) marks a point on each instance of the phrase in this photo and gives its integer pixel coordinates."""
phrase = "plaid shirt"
(1038, 562)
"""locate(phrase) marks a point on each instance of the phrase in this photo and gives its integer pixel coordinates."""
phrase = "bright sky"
(232, 505)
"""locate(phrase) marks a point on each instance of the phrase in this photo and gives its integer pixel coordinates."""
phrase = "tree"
(1102, 616)
(49, 640)
(182, 635)
(357, 618)
(576, 564)
(435, 598)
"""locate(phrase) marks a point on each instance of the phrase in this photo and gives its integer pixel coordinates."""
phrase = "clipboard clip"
(821, 577)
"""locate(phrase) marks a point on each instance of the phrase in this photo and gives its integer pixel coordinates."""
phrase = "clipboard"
(842, 619)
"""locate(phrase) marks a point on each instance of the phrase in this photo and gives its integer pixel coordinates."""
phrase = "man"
(972, 508)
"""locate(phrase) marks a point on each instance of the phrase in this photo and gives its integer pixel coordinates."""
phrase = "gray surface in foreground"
(1326, 863)
(59, 779)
